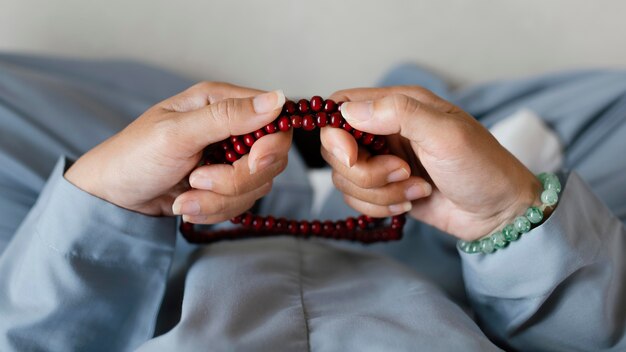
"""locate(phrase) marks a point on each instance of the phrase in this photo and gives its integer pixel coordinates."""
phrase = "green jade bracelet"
(521, 224)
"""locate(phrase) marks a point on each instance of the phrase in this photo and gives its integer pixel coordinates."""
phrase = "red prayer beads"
(308, 115)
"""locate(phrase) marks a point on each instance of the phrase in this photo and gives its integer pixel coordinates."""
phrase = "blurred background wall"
(316, 47)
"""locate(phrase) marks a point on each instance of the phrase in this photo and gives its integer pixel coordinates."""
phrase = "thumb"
(229, 117)
(395, 114)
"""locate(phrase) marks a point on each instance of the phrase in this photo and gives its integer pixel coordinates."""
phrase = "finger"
(341, 145)
(236, 179)
(393, 193)
(268, 150)
(420, 93)
(401, 114)
(212, 206)
(374, 210)
(370, 171)
(205, 93)
(228, 117)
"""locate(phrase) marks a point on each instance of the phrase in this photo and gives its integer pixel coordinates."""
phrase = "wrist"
(525, 193)
(538, 210)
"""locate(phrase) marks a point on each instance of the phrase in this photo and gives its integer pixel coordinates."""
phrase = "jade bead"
(510, 233)
(486, 246)
(498, 240)
(522, 224)
(553, 183)
(464, 246)
(474, 247)
(549, 197)
(534, 215)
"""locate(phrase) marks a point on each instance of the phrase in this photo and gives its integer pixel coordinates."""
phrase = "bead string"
(522, 224)
(307, 115)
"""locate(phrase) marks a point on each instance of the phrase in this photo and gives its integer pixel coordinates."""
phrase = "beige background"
(315, 47)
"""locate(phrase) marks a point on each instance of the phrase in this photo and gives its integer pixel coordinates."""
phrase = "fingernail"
(269, 101)
(400, 208)
(201, 182)
(190, 207)
(260, 164)
(398, 175)
(357, 111)
(418, 191)
(342, 156)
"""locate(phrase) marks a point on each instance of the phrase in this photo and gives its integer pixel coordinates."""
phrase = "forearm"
(82, 274)
(560, 286)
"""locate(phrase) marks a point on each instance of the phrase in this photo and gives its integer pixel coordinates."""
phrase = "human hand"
(446, 169)
(150, 165)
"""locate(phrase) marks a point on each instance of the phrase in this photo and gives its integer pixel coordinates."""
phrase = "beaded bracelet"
(522, 224)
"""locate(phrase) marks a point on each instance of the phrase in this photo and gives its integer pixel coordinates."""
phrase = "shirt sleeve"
(560, 287)
(81, 274)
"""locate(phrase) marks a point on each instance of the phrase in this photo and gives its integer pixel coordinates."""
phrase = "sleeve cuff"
(77, 224)
(533, 265)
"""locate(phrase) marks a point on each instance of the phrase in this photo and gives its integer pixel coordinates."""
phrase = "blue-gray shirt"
(80, 274)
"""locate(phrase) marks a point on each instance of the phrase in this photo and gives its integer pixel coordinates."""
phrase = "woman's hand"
(149, 166)
(446, 170)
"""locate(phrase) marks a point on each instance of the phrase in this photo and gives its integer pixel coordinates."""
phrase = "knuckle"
(363, 179)
(237, 187)
(165, 132)
(204, 85)
(338, 180)
(402, 104)
(224, 110)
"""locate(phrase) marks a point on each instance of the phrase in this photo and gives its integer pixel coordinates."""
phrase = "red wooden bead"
(281, 225)
(357, 134)
(335, 119)
(346, 126)
(304, 227)
(271, 128)
(351, 223)
(249, 140)
(339, 106)
(225, 145)
(368, 138)
(316, 227)
(328, 228)
(379, 143)
(231, 156)
(240, 148)
(234, 139)
(296, 121)
(394, 235)
(330, 106)
(321, 119)
(398, 219)
(290, 107)
(186, 227)
(284, 123)
(270, 222)
(247, 219)
(303, 106)
(340, 227)
(237, 219)
(259, 133)
(293, 227)
(257, 223)
(362, 222)
(307, 123)
(317, 103)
